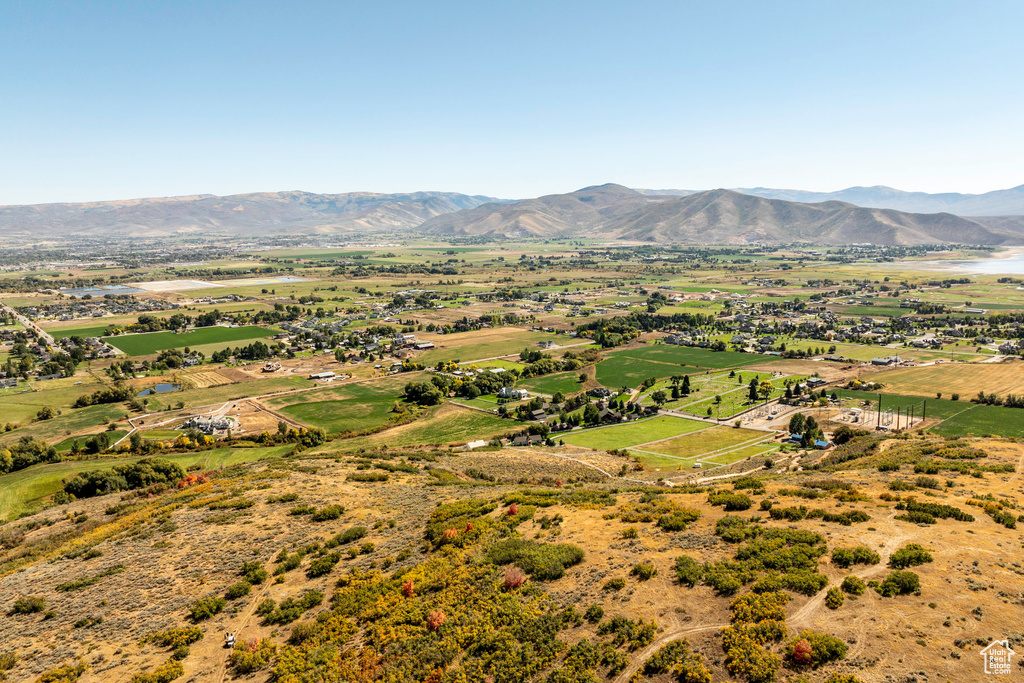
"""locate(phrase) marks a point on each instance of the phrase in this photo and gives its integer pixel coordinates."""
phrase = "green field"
(85, 331)
(71, 421)
(502, 364)
(632, 366)
(702, 358)
(24, 490)
(65, 445)
(632, 433)
(350, 407)
(709, 441)
(980, 420)
(152, 342)
(20, 406)
(564, 382)
(876, 311)
(624, 371)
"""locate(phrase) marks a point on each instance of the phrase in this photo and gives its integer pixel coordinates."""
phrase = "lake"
(1013, 264)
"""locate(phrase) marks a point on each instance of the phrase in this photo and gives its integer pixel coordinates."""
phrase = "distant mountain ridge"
(609, 211)
(718, 216)
(258, 213)
(997, 203)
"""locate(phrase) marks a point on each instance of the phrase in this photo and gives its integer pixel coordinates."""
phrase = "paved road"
(43, 335)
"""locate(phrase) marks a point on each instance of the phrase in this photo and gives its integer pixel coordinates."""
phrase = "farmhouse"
(509, 392)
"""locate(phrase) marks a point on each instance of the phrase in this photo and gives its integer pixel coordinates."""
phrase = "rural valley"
(491, 459)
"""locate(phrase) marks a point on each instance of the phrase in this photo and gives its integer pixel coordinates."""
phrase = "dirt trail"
(211, 647)
(802, 615)
(664, 639)
(800, 618)
(1016, 475)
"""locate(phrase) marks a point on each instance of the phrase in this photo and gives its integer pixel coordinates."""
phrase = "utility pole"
(878, 421)
(924, 407)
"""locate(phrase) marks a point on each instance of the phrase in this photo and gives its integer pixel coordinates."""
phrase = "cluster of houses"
(313, 333)
(757, 333)
(94, 347)
(75, 309)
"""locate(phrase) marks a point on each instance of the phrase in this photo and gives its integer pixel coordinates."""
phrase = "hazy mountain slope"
(549, 216)
(259, 213)
(998, 202)
(657, 193)
(726, 217)
(713, 217)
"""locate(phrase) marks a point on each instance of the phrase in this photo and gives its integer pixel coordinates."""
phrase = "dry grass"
(966, 379)
(173, 557)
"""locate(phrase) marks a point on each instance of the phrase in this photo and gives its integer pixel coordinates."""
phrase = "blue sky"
(107, 100)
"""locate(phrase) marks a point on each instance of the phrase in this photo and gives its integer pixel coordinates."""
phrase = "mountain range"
(713, 217)
(996, 203)
(610, 211)
(255, 214)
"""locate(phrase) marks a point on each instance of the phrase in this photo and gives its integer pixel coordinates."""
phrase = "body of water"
(158, 389)
(1012, 264)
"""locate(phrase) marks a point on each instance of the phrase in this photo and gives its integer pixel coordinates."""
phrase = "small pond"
(159, 389)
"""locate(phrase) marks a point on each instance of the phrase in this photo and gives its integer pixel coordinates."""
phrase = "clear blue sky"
(106, 100)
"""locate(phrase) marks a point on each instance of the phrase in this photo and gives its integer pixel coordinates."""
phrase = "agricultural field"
(979, 420)
(349, 407)
(152, 342)
(499, 363)
(630, 367)
(628, 434)
(708, 444)
(615, 372)
(692, 356)
(564, 382)
(961, 378)
(79, 331)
